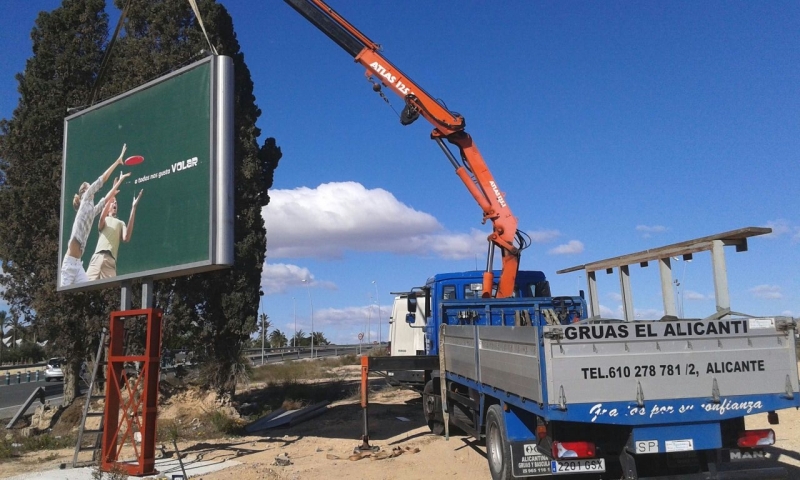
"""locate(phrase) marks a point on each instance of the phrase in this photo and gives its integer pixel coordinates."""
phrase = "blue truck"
(553, 390)
(556, 392)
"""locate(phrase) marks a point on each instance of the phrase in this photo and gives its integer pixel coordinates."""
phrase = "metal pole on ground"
(262, 338)
(311, 302)
(377, 300)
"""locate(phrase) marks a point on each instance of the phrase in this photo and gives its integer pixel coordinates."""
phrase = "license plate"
(577, 466)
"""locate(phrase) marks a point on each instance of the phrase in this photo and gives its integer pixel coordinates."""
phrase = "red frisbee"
(134, 160)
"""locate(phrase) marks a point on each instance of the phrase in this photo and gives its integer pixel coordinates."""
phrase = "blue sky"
(612, 127)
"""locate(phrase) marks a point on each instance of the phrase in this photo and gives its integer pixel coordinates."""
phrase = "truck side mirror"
(411, 304)
(410, 318)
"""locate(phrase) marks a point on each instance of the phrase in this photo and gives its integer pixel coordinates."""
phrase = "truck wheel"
(432, 408)
(497, 449)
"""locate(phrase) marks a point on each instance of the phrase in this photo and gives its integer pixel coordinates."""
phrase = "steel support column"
(667, 294)
(131, 403)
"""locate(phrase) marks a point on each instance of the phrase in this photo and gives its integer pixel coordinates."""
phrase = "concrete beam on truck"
(663, 255)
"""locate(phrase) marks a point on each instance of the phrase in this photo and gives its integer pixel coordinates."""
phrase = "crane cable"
(196, 10)
(107, 54)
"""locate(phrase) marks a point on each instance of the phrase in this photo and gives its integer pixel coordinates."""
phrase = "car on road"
(53, 371)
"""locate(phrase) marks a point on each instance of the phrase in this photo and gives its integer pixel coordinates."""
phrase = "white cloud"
(571, 247)
(280, 277)
(326, 221)
(647, 231)
(779, 228)
(342, 325)
(648, 313)
(651, 228)
(543, 236)
(692, 295)
(769, 292)
(606, 312)
(615, 296)
(639, 314)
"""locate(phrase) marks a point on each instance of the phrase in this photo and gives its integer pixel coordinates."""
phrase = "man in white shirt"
(112, 231)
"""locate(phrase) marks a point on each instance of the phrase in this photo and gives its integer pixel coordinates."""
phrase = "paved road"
(271, 356)
(13, 396)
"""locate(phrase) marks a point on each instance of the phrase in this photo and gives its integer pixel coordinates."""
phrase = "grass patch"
(209, 425)
(15, 446)
(222, 424)
(379, 352)
(294, 371)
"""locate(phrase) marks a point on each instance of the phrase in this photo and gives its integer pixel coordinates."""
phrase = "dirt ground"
(321, 447)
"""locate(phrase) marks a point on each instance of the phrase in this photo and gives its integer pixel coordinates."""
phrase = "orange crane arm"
(471, 168)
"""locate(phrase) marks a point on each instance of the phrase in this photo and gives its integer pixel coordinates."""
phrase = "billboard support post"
(125, 295)
(147, 292)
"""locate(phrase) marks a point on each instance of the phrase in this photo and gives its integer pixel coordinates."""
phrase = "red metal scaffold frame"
(138, 411)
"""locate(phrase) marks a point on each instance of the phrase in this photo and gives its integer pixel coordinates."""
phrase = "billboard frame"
(221, 155)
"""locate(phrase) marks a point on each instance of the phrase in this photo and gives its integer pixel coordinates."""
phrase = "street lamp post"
(263, 337)
(379, 311)
(310, 302)
(369, 323)
(294, 308)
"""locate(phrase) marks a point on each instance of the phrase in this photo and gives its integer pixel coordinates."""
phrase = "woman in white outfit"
(72, 270)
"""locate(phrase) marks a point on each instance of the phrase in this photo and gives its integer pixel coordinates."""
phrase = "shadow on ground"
(391, 412)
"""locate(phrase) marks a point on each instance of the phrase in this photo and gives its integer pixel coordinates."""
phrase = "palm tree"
(300, 339)
(319, 338)
(15, 324)
(263, 324)
(277, 339)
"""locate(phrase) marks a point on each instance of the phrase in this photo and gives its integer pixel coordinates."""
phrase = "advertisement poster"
(142, 181)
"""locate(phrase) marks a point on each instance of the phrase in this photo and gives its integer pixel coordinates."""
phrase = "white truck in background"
(407, 338)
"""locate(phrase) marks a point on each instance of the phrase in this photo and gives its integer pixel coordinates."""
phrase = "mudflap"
(527, 461)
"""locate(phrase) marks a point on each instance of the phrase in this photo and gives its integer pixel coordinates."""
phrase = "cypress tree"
(67, 48)
(219, 309)
(215, 311)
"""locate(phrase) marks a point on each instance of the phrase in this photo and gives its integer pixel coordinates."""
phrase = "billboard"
(147, 181)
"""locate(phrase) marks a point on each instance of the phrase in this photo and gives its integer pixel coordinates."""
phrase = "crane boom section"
(471, 169)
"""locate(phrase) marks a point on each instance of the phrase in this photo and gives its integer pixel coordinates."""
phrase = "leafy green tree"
(277, 339)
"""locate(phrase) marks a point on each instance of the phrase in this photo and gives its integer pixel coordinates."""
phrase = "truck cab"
(411, 316)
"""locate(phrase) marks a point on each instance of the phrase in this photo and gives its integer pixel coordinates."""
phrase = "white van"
(407, 339)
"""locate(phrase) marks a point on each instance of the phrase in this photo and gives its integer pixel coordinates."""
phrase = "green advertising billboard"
(147, 181)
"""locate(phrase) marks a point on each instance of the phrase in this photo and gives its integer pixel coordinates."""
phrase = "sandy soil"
(322, 447)
(312, 447)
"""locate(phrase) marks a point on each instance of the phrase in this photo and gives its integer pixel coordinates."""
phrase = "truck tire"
(432, 408)
(498, 452)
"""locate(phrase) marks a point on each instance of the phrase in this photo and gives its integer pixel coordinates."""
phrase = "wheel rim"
(495, 455)
(430, 405)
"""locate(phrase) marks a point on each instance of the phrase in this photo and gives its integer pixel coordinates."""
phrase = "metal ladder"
(94, 446)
